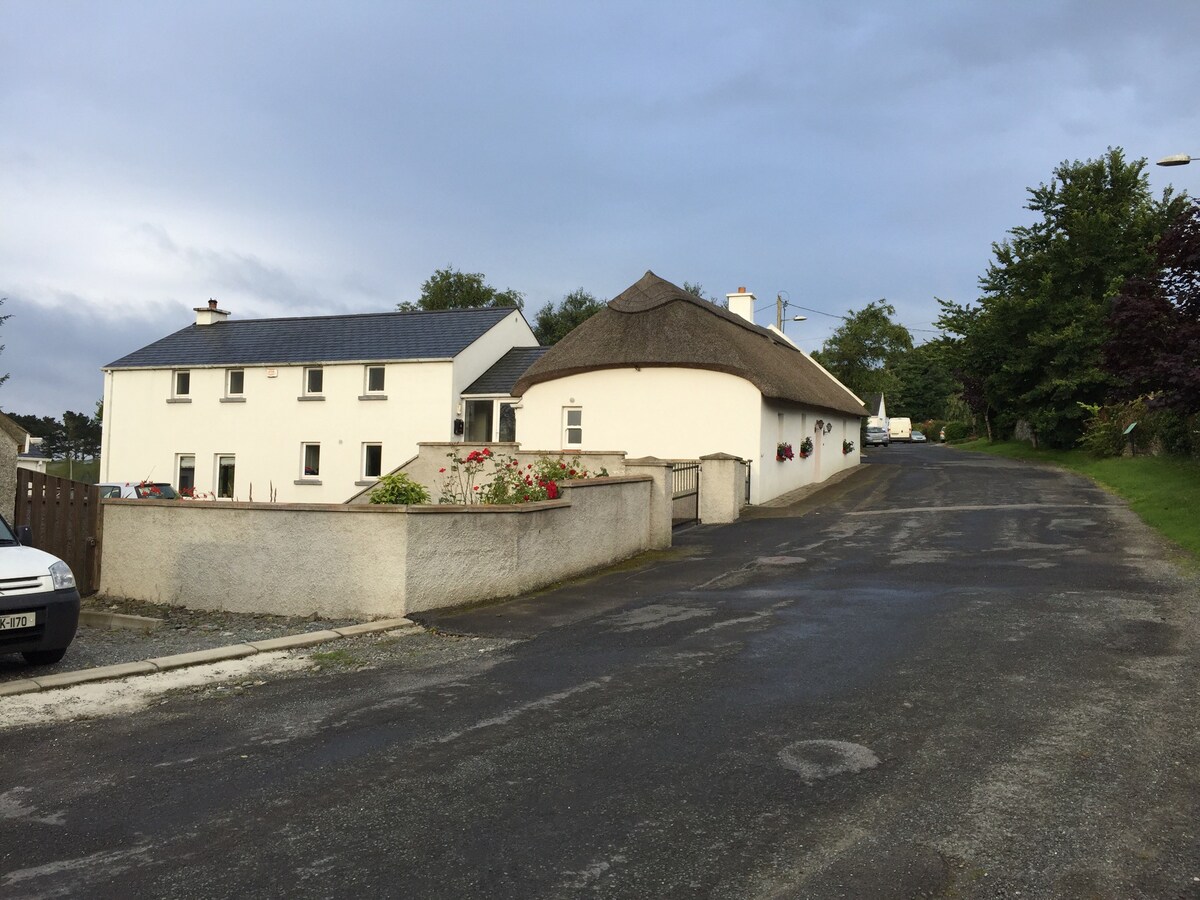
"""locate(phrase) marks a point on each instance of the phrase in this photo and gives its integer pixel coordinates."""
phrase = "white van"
(900, 428)
(39, 602)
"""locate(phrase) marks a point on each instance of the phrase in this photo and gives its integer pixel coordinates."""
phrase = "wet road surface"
(950, 675)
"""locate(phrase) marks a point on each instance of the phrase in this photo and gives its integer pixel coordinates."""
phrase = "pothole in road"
(815, 760)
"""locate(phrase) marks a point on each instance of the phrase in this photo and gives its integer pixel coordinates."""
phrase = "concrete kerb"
(399, 625)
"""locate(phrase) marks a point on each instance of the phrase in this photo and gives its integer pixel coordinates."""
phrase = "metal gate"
(685, 491)
(64, 517)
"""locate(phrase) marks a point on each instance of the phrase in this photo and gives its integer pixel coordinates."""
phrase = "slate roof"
(501, 377)
(366, 337)
(656, 323)
(872, 402)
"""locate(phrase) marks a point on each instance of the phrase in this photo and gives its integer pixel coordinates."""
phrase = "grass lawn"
(1164, 491)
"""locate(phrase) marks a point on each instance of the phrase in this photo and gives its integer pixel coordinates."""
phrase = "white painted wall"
(686, 414)
(482, 354)
(663, 412)
(143, 433)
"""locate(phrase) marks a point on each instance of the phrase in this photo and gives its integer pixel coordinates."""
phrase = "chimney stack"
(210, 315)
(741, 303)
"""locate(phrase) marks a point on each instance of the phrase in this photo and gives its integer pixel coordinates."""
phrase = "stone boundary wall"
(364, 561)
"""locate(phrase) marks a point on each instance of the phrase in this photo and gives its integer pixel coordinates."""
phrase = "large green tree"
(864, 351)
(449, 288)
(1032, 349)
(554, 322)
(926, 382)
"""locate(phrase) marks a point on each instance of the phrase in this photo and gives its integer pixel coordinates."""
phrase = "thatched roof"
(656, 324)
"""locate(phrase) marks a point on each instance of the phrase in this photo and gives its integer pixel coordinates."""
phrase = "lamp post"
(781, 306)
(1179, 159)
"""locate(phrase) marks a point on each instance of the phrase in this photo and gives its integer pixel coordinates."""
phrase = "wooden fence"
(65, 519)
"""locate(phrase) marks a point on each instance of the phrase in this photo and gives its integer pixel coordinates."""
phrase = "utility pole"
(779, 311)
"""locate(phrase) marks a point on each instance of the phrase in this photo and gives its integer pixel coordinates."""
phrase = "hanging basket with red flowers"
(783, 452)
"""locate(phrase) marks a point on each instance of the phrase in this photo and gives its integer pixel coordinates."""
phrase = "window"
(225, 467)
(183, 383)
(375, 379)
(508, 422)
(314, 380)
(572, 426)
(372, 460)
(312, 460)
(186, 474)
(235, 382)
(479, 421)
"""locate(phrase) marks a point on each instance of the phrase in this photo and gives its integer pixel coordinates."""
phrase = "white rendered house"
(660, 372)
(299, 410)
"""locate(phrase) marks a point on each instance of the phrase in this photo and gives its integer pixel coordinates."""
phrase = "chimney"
(741, 303)
(210, 315)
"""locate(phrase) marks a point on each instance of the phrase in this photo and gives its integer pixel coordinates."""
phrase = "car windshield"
(161, 491)
(6, 533)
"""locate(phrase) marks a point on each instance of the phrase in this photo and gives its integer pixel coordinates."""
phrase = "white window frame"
(308, 370)
(367, 370)
(175, 391)
(229, 391)
(217, 458)
(363, 469)
(179, 458)
(304, 460)
(567, 427)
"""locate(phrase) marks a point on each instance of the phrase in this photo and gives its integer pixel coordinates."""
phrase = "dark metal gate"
(64, 517)
(685, 491)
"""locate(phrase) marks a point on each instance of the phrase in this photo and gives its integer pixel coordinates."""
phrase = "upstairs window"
(375, 379)
(235, 382)
(183, 383)
(314, 381)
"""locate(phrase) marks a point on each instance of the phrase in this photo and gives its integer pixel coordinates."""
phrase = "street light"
(781, 306)
(1179, 159)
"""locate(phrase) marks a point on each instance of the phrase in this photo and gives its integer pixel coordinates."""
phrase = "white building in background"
(660, 372)
(303, 409)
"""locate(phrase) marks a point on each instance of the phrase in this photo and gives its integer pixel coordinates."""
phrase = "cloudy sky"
(298, 158)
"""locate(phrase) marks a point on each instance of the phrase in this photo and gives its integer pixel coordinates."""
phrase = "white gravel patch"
(125, 695)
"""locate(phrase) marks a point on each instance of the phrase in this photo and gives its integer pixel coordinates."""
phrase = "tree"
(1033, 348)
(926, 382)
(48, 428)
(552, 324)
(81, 435)
(1155, 345)
(449, 288)
(865, 349)
(697, 289)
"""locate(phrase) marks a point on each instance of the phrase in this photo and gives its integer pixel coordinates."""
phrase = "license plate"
(9, 621)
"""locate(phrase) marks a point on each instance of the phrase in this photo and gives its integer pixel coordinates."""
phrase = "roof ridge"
(367, 315)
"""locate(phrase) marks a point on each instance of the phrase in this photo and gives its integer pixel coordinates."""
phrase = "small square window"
(235, 382)
(375, 379)
(183, 383)
(372, 460)
(312, 461)
(314, 380)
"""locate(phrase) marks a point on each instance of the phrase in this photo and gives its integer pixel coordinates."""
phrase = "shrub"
(398, 488)
(957, 431)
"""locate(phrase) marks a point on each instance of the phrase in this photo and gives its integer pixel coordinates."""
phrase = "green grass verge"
(1163, 491)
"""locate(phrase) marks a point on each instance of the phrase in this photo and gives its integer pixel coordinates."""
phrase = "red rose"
(442, 469)
(551, 490)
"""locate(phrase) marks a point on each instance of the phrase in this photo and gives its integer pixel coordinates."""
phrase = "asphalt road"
(946, 676)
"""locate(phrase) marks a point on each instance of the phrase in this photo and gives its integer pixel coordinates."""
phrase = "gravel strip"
(185, 630)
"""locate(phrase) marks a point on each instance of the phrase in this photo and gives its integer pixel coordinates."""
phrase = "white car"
(140, 490)
(39, 603)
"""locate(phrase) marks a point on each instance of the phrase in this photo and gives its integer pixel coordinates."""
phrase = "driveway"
(950, 676)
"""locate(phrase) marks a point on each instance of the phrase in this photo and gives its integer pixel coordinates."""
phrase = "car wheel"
(44, 657)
